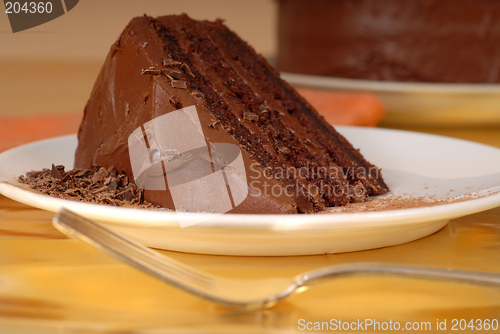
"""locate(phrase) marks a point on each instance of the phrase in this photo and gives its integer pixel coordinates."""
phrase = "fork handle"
(391, 269)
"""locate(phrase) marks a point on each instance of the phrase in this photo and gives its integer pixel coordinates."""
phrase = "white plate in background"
(420, 103)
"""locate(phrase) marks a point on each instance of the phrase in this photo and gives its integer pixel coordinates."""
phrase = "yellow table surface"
(51, 284)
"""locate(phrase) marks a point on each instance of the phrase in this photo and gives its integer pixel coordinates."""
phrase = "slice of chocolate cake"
(194, 116)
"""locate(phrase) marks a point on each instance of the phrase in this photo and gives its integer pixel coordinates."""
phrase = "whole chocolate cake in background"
(449, 41)
(160, 65)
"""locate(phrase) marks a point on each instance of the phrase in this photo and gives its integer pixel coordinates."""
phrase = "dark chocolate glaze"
(240, 99)
(455, 41)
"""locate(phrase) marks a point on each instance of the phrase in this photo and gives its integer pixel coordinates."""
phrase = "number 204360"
(478, 324)
(28, 7)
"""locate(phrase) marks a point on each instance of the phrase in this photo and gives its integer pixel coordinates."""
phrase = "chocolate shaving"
(263, 109)
(178, 84)
(225, 64)
(79, 173)
(126, 195)
(112, 185)
(56, 171)
(173, 74)
(174, 101)
(280, 112)
(110, 201)
(197, 93)
(230, 94)
(100, 190)
(309, 142)
(283, 150)
(123, 180)
(72, 192)
(100, 175)
(107, 181)
(127, 107)
(96, 185)
(250, 116)
(170, 62)
(112, 171)
(151, 70)
(188, 71)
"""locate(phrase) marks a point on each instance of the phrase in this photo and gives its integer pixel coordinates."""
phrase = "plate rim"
(317, 81)
(273, 222)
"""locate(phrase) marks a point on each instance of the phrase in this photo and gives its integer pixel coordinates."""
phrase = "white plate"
(420, 102)
(411, 162)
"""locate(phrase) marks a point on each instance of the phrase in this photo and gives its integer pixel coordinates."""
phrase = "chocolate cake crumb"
(97, 185)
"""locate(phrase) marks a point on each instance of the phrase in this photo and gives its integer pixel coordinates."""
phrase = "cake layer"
(419, 40)
(294, 160)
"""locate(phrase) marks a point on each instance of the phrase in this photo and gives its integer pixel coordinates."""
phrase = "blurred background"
(86, 32)
(79, 41)
(51, 69)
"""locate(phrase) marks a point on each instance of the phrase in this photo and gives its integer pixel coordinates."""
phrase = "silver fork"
(247, 294)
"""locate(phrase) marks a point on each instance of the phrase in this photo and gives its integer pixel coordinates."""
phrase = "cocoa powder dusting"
(405, 201)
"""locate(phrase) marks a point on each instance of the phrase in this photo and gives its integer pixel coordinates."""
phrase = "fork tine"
(83, 229)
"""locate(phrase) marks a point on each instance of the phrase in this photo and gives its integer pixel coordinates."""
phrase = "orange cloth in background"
(346, 108)
(15, 131)
(340, 108)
